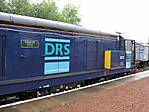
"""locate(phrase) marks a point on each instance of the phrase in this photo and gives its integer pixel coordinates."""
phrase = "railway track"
(56, 99)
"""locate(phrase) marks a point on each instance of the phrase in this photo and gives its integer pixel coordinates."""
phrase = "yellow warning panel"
(107, 62)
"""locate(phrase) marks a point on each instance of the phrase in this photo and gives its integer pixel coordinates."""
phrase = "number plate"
(29, 44)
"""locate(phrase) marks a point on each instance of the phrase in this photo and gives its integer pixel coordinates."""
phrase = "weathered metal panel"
(91, 54)
(117, 59)
(80, 55)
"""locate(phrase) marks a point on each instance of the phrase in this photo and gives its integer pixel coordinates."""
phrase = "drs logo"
(57, 49)
(57, 59)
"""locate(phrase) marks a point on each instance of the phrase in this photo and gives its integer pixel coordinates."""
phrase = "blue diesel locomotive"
(40, 56)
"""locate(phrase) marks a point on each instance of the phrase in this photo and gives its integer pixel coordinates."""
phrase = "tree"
(21, 7)
(70, 14)
(45, 9)
(3, 7)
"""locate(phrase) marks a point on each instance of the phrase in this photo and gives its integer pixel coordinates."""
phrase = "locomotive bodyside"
(36, 53)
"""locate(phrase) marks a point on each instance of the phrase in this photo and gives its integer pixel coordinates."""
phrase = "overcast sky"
(127, 16)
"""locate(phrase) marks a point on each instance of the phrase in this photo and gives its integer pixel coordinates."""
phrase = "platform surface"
(131, 97)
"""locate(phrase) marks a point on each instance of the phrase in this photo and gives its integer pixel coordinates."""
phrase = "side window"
(121, 43)
(128, 45)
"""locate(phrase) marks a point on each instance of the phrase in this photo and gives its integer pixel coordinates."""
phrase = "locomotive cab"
(130, 53)
(129, 47)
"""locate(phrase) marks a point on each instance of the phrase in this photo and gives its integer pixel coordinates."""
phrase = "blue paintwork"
(52, 82)
(85, 54)
(117, 59)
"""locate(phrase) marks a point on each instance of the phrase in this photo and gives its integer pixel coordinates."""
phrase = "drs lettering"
(57, 49)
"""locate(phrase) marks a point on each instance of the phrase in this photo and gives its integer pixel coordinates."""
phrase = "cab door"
(30, 55)
(130, 53)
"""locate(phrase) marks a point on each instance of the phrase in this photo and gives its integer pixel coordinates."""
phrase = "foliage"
(3, 6)
(20, 7)
(45, 9)
(70, 14)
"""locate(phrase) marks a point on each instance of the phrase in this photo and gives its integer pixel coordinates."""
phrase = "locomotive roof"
(37, 22)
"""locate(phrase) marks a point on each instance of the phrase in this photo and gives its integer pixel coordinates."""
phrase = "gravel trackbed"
(132, 97)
